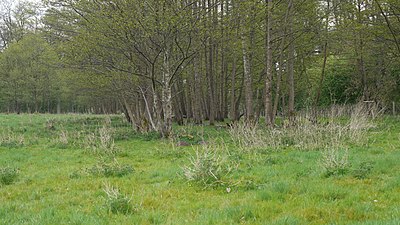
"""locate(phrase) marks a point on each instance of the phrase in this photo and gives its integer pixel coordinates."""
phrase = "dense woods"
(165, 61)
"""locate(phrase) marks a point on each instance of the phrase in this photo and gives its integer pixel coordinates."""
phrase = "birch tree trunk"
(166, 96)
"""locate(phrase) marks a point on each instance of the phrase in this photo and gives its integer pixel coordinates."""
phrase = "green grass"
(284, 186)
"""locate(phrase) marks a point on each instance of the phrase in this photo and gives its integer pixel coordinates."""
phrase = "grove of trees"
(165, 61)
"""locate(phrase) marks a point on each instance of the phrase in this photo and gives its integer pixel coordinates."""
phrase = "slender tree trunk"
(58, 106)
(153, 127)
(321, 82)
(233, 112)
(197, 109)
(166, 96)
(389, 25)
(314, 113)
(281, 62)
(269, 67)
(248, 81)
(360, 52)
(211, 84)
(291, 60)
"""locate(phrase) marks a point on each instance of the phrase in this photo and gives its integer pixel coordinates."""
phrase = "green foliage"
(27, 69)
(339, 86)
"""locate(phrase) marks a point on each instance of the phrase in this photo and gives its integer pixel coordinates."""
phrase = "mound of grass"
(363, 170)
(112, 169)
(209, 166)
(8, 175)
(118, 202)
(335, 161)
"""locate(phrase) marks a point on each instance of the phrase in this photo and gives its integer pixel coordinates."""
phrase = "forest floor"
(87, 169)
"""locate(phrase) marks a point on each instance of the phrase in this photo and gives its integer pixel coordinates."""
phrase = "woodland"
(200, 61)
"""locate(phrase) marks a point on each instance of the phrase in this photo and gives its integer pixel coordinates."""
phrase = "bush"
(8, 175)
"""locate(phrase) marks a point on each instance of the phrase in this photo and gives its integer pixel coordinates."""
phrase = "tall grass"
(118, 202)
(209, 166)
(304, 135)
(11, 139)
(101, 141)
(335, 161)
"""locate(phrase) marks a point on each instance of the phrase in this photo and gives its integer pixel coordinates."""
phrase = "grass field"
(86, 169)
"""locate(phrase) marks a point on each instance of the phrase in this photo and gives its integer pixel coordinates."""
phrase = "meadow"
(94, 169)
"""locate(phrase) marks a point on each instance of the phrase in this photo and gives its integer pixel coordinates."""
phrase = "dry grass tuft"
(209, 165)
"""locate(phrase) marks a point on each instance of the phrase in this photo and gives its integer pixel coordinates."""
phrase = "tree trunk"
(166, 96)
(247, 81)
(211, 84)
(197, 109)
(281, 63)
(269, 67)
(321, 82)
(233, 112)
(58, 106)
(291, 61)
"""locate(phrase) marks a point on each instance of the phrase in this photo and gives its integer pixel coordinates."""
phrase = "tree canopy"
(160, 61)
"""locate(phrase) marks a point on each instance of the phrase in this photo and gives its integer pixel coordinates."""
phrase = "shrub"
(335, 161)
(8, 175)
(117, 202)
